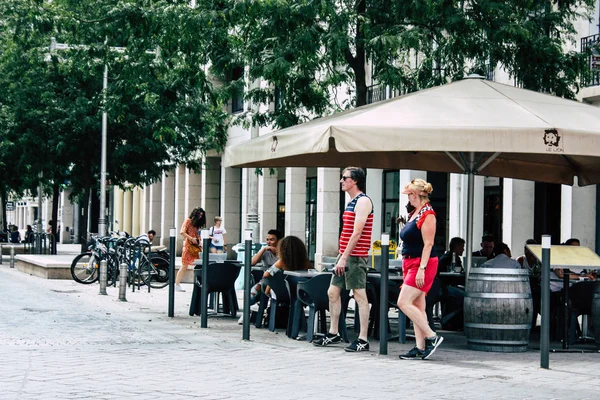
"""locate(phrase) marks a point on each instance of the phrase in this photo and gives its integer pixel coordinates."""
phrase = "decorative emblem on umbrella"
(552, 140)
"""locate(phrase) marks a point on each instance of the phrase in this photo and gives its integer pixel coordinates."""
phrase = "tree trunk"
(55, 194)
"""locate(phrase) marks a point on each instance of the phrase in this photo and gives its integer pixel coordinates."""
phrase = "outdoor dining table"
(452, 278)
(295, 316)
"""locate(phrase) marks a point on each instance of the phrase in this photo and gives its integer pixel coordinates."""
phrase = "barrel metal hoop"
(500, 342)
(498, 295)
(498, 279)
(479, 325)
(499, 271)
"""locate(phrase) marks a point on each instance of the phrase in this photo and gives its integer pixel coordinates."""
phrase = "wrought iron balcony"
(591, 75)
(382, 92)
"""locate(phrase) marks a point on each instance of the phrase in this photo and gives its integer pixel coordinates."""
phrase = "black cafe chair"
(313, 293)
(220, 279)
(280, 305)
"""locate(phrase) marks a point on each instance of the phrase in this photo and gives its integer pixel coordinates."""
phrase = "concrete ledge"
(59, 266)
(19, 248)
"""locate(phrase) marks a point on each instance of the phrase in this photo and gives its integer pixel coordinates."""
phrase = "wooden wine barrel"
(596, 314)
(497, 309)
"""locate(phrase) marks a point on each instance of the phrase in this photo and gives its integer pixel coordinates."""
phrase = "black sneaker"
(358, 345)
(327, 339)
(431, 345)
(413, 354)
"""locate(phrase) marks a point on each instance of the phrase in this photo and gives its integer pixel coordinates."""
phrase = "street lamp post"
(102, 217)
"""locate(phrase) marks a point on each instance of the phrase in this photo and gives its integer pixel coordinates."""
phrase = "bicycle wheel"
(155, 271)
(84, 268)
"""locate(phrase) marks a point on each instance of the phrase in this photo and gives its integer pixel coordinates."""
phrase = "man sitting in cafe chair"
(487, 247)
(502, 259)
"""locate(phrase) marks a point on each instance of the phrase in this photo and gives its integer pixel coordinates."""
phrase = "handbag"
(194, 250)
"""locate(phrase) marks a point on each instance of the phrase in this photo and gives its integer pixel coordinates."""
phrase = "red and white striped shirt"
(364, 242)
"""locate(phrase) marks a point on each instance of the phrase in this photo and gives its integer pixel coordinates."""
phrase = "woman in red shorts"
(419, 267)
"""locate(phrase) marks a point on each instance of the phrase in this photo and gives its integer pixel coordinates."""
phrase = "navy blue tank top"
(412, 239)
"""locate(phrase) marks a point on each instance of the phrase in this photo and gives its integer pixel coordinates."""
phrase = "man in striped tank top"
(350, 271)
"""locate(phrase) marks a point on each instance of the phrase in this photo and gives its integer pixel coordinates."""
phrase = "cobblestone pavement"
(61, 340)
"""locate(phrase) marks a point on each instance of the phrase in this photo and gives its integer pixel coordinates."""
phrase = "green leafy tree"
(311, 50)
(162, 108)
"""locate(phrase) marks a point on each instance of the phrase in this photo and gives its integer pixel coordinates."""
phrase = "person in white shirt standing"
(217, 236)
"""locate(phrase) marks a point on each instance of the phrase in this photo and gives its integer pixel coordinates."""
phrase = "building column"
(295, 202)
(212, 187)
(118, 199)
(578, 214)
(65, 216)
(328, 213)
(154, 206)
(267, 203)
(143, 209)
(136, 212)
(518, 201)
(375, 192)
(127, 211)
(457, 203)
(478, 193)
(194, 192)
(168, 198)
(230, 204)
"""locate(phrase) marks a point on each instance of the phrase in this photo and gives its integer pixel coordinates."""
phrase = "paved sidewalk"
(61, 340)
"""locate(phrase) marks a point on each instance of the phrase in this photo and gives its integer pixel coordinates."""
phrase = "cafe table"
(567, 257)
(452, 278)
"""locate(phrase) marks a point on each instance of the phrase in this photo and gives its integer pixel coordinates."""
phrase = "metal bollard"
(12, 256)
(103, 277)
(1, 253)
(123, 282)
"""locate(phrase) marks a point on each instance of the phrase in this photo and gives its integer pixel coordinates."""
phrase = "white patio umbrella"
(472, 126)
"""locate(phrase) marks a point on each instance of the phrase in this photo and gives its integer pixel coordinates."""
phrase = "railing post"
(204, 291)
(383, 296)
(103, 277)
(1, 253)
(247, 288)
(545, 328)
(12, 256)
(123, 282)
(171, 312)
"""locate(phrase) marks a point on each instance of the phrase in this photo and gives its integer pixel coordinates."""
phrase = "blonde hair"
(420, 187)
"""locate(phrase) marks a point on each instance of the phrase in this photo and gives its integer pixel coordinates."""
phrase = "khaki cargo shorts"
(355, 276)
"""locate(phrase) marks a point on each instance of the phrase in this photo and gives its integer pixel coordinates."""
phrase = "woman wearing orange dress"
(190, 232)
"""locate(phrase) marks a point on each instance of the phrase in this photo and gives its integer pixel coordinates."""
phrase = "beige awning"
(513, 132)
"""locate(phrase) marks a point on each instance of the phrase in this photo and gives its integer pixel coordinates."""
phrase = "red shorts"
(410, 267)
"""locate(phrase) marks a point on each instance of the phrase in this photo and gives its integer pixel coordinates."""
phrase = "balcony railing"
(591, 75)
(382, 92)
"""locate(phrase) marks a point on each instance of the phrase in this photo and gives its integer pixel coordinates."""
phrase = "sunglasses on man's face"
(345, 177)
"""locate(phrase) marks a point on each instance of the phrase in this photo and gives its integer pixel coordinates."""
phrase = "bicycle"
(85, 266)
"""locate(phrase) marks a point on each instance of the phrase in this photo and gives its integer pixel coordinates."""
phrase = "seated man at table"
(452, 256)
(268, 254)
(502, 259)
(487, 247)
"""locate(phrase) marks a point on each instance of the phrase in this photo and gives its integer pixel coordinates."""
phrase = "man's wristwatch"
(424, 268)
